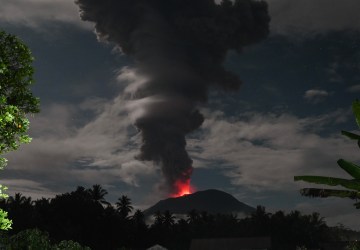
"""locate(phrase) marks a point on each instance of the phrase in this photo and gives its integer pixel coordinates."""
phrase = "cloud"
(287, 16)
(311, 17)
(315, 95)
(354, 88)
(28, 188)
(100, 150)
(334, 72)
(264, 151)
(37, 13)
(261, 152)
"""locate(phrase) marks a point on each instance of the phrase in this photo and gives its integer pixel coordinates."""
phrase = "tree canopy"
(16, 100)
(78, 217)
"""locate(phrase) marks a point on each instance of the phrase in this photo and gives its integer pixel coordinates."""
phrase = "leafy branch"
(353, 185)
(16, 100)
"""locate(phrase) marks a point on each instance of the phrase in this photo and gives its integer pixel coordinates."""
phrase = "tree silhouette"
(168, 219)
(159, 219)
(193, 217)
(81, 193)
(36, 239)
(42, 213)
(123, 206)
(20, 208)
(138, 218)
(18, 200)
(139, 235)
(260, 221)
(97, 194)
(76, 216)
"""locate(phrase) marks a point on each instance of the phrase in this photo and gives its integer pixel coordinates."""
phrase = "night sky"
(297, 88)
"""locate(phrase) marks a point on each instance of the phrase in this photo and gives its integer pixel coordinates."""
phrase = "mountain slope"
(212, 200)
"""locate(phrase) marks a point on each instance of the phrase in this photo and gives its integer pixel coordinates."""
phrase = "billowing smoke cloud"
(179, 47)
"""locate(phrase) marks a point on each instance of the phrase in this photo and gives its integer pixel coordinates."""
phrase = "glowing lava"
(182, 187)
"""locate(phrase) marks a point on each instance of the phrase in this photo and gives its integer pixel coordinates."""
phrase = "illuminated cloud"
(354, 88)
(311, 17)
(100, 151)
(264, 151)
(315, 95)
(38, 13)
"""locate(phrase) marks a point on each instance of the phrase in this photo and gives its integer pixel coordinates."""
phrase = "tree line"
(86, 217)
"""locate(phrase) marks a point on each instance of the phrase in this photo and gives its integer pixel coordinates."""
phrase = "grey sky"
(306, 16)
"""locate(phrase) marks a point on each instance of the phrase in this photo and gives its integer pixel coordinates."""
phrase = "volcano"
(212, 201)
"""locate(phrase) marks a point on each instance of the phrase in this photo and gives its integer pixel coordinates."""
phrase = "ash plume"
(179, 47)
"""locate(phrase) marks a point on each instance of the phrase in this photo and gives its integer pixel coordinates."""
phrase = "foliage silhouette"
(97, 193)
(77, 217)
(30, 239)
(124, 206)
(69, 245)
(168, 219)
(37, 239)
(353, 246)
(351, 168)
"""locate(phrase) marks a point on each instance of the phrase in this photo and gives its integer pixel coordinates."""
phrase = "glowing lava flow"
(183, 188)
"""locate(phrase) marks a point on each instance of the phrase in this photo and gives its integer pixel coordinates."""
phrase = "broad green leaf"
(356, 110)
(9, 117)
(357, 205)
(350, 135)
(351, 168)
(331, 181)
(5, 223)
(3, 163)
(323, 193)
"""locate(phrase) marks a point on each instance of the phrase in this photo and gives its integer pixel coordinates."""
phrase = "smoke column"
(179, 47)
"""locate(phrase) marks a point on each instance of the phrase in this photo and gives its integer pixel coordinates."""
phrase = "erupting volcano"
(182, 187)
(178, 48)
(212, 201)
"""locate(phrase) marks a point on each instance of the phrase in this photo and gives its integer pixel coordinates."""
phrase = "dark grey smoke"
(179, 46)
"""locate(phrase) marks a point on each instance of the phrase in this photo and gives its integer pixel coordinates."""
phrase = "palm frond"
(331, 181)
(350, 135)
(351, 168)
(323, 193)
(357, 205)
(356, 111)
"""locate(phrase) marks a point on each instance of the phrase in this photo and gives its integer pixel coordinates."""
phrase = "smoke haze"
(178, 47)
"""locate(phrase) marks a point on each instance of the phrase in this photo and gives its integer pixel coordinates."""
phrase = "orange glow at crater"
(183, 188)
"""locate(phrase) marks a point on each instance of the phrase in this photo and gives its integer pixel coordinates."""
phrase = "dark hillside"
(212, 201)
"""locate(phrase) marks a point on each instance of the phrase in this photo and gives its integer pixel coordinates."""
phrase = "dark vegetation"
(84, 216)
(352, 185)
